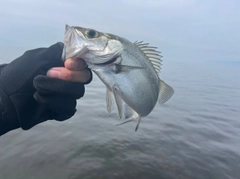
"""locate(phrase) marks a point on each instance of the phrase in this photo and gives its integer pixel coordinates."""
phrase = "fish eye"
(92, 33)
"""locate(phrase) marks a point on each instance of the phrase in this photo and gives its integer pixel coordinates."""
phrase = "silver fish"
(129, 70)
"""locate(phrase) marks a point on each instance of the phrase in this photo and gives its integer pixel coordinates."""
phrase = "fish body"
(129, 70)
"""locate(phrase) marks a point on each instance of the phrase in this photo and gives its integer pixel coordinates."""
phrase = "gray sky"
(184, 30)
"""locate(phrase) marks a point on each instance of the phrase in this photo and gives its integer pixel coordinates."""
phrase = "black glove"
(28, 97)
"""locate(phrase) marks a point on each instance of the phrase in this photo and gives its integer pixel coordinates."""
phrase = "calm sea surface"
(196, 135)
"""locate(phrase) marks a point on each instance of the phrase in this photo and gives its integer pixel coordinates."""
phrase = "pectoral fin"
(165, 92)
(126, 68)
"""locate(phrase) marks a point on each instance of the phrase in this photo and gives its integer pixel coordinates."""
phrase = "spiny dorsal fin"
(151, 53)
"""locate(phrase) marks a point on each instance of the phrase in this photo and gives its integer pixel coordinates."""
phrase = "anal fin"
(130, 116)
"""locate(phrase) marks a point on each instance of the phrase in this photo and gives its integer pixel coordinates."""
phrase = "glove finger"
(57, 87)
(45, 57)
(61, 108)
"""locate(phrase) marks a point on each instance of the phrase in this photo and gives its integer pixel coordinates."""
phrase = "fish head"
(95, 47)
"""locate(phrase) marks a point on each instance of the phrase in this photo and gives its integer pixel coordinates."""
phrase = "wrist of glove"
(28, 97)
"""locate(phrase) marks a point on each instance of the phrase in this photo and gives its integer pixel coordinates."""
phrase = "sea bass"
(129, 70)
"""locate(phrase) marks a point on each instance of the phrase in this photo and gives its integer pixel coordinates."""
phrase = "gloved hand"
(29, 97)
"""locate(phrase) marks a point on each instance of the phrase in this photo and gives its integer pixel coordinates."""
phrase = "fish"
(130, 71)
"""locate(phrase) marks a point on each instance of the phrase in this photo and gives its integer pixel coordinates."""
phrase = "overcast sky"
(187, 30)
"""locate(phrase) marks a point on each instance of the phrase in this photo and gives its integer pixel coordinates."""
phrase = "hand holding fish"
(75, 71)
(29, 97)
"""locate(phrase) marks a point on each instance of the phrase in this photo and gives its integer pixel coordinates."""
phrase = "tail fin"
(165, 92)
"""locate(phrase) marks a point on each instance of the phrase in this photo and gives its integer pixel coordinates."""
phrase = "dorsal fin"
(151, 53)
